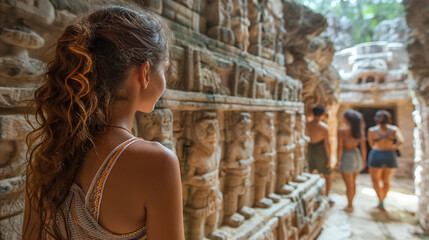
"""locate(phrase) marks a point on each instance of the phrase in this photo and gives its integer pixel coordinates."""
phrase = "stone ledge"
(267, 222)
(15, 97)
(193, 101)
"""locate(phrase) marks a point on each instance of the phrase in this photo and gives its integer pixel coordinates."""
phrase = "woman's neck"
(122, 114)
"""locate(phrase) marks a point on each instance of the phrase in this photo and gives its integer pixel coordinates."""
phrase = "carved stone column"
(203, 198)
(237, 166)
(262, 32)
(240, 24)
(285, 152)
(301, 141)
(219, 20)
(265, 162)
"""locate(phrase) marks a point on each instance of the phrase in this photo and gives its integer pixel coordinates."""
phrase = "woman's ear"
(143, 74)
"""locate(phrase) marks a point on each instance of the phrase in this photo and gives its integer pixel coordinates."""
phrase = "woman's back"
(111, 204)
(125, 211)
(382, 137)
(348, 141)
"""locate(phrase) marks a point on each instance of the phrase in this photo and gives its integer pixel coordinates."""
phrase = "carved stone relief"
(237, 166)
(156, 126)
(219, 20)
(265, 162)
(262, 34)
(240, 24)
(301, 141)
(287, 229)
(285, 152)
(203, 198)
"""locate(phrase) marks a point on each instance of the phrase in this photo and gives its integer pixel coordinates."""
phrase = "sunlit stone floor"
(366, 222)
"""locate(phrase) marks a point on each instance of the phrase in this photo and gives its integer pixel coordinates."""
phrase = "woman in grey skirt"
(352, 159)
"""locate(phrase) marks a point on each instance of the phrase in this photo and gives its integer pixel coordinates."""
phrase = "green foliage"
(364, 15)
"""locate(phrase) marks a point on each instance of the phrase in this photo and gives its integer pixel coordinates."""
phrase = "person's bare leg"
(386, 175)
(376, 178)
(354, 184)
(348, 178)
(328, 179)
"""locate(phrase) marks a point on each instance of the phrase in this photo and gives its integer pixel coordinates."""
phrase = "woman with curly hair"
(384, 140)
(352, 159)
(88, 177)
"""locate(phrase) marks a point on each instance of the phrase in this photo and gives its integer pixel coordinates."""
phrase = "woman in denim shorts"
(384, 140)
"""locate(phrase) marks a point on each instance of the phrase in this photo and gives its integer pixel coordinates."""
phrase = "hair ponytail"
(92, 58)
(356, 123)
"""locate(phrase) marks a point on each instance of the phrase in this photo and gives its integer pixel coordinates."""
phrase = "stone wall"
(418, 51)
(233, 110)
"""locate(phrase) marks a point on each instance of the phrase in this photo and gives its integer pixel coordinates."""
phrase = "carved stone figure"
(240, 24)
(262, 32)
(156, 126)
(203, 198)
(300, 150)
(287, 229)
(264, 155)
(212, 81)
(285, 152)
(237, 166)
(219, 20)
(244, 82)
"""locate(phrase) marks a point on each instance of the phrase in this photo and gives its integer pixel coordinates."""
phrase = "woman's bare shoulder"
(148, 154)
(393, 127)
(342, 130)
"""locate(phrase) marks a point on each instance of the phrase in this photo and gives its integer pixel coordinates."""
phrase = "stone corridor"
(399, 221)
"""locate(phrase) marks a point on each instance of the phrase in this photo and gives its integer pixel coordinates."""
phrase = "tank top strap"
(378, 133)
(389, 132)
(95, 192)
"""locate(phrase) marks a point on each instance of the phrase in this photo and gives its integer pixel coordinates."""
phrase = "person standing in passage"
(318, 153)
(384, 140)
(352, 160)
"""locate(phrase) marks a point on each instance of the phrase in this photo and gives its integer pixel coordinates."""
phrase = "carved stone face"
(206, 133)
(265, 124)
(242, 128)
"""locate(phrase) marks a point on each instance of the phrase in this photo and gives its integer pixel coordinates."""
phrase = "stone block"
(12, 158)
(13, 127)
(15, 97)
(11, 205)
(11, 228)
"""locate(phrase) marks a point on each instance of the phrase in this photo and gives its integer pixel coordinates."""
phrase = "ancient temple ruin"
(374, 76)
(233, 110)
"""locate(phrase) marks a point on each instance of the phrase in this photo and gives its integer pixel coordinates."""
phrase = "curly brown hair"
(92, 59)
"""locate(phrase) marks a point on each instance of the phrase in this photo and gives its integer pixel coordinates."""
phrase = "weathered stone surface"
(11, 228)
(395, 30)
(12, 158)
(417, 19)
(76, 7)
(15, 97)
(13, 127)
(340, 31)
